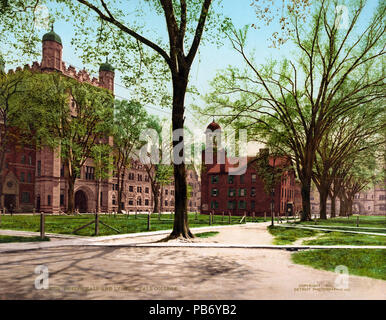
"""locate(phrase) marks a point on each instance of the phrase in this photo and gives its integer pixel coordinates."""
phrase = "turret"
(106, 76)
(52, 51)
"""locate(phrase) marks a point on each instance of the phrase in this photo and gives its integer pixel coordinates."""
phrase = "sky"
(210, 58)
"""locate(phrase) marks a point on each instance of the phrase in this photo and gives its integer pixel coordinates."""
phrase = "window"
(242, 204)
(172, 192)
(131, 202)
(25, 197)
(62, 170)
(231, 179)
(382, 197)
(166, 203)
(147, 178)
(89, 173)
(214, 179)
(146, 202)
(131, 189)
(49, 199)
(131, 176)
(231, 192)
(253, 177)
(62, 199)
(214, 192)
(139, 177)
(242, 192)
(252, 204)
(23, 159)
(147, 190)
(242, 178)
(30, 160)
(22, 176)
(214, 204)
(232, 204)
(166, 191)
(29, 177)
(39, 168)
(253, 192)
(139, 189)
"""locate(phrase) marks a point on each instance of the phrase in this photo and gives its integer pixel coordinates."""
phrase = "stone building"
(367, 202)
(35, 179)
(223, 189)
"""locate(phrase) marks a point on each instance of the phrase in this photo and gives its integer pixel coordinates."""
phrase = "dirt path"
(173, 273)
(255, 233)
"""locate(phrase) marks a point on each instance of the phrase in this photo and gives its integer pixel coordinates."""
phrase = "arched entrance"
(81, 201)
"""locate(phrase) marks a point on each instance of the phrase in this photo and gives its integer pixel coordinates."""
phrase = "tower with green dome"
(52, 51)
(106, 75)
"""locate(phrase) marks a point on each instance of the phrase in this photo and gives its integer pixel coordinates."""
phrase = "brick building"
(35, 179)
(224, 190)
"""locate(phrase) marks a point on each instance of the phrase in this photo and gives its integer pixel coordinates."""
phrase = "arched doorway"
(81, 201)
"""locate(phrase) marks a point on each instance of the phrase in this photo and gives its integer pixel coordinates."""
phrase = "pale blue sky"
(210, 58)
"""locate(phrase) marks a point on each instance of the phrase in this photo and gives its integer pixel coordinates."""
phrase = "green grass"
(340, 238)
(364, 221)
(206, 234)
(361, 262)
(289, 235)
(7, 239)
(67, 224)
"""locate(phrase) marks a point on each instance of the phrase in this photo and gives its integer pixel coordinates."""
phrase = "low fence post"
(96, 224)
(42, 226)
(265, 216)
(210, 218)
(253, 216)
(222, 219)
(230, 215)
(148, 222)
(135, 213)
(358, 220)
(195, 217)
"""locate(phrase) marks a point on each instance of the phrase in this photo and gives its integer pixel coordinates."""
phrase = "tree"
(270, 174)
(293, 103)
(16, 120)
(185, 22)
(353, 134)
(130, 119)
(159, 174)
(74, 119)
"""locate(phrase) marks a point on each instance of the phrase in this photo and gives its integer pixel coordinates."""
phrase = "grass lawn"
(364, 221)
(7, 239)
(124, 223)
(206, 234)
(361, 262)
(340, 238)
(289, 235)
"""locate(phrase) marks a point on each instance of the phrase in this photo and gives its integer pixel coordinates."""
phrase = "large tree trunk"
(349, 206)
(333, 206)
(71, 195)
(181, 227)
(323, 193)
(121, 179)
(156, 208)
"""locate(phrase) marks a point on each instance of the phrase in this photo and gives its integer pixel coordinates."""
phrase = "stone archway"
(81, 201)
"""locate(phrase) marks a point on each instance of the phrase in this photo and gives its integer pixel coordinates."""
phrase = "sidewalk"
(247, 236)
